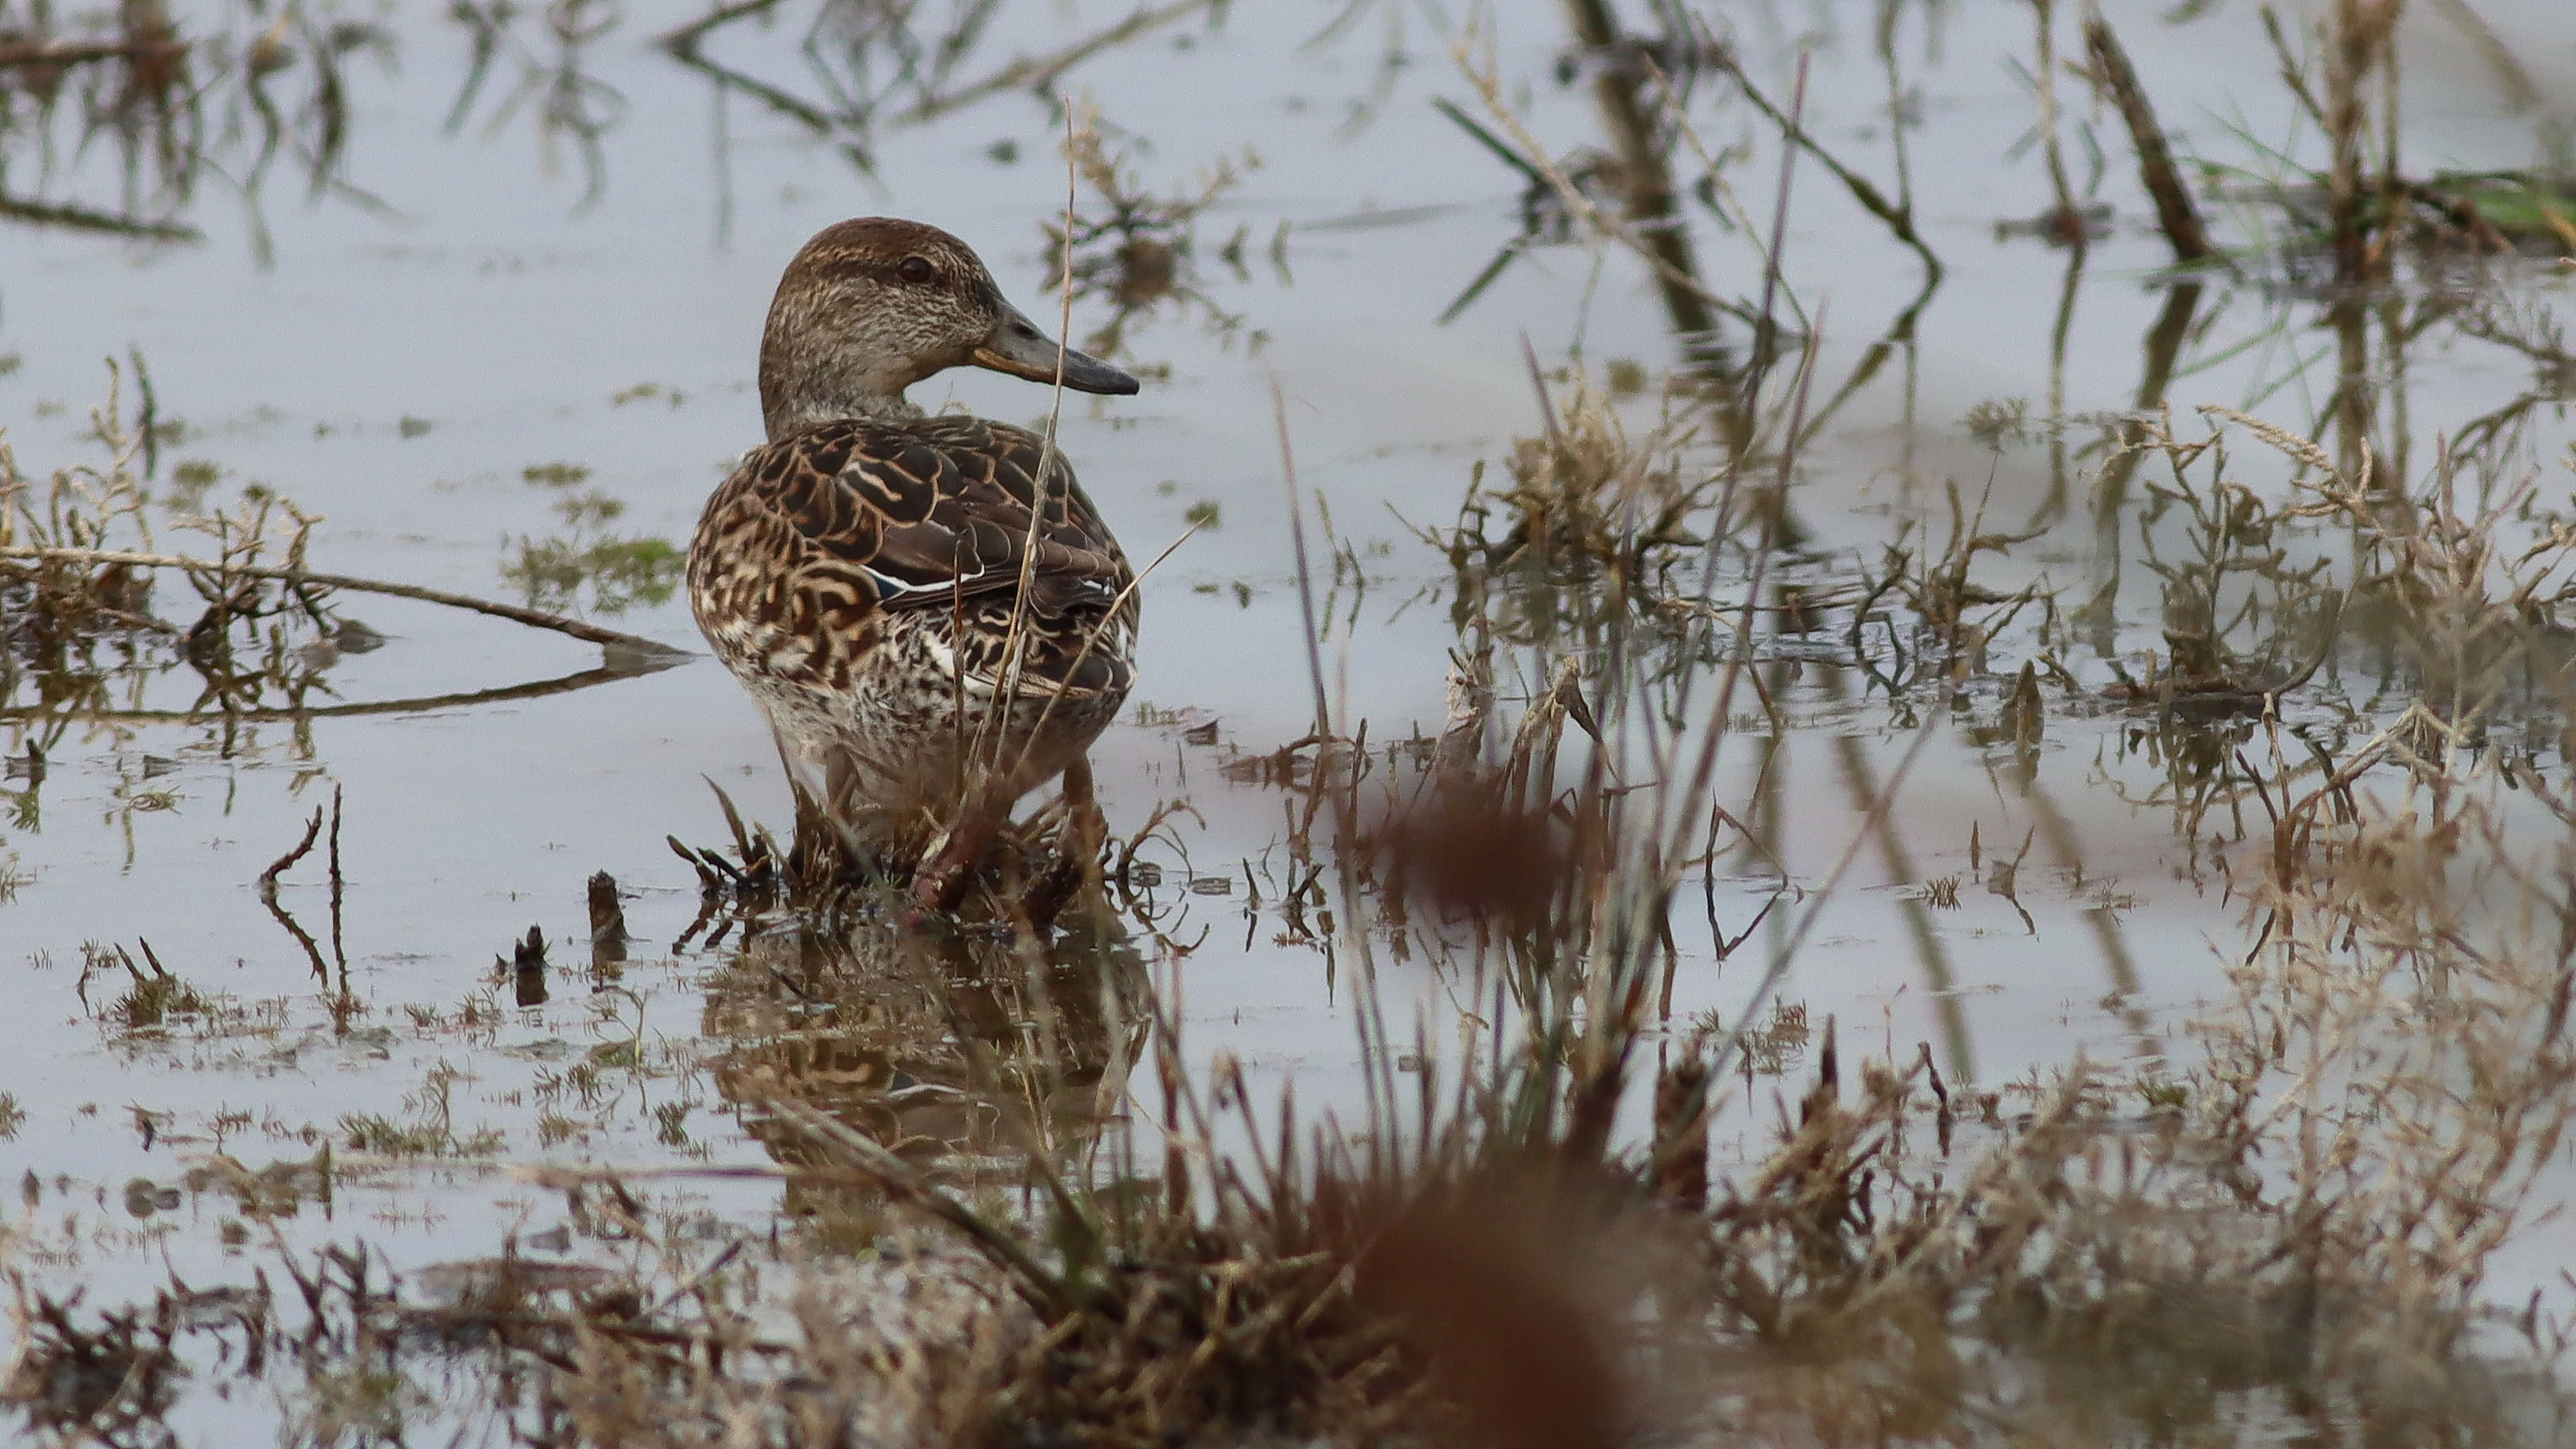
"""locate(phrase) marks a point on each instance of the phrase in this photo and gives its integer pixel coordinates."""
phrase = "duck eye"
(917, 270)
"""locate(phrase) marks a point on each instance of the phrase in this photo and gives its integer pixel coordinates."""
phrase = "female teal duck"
(928, 610)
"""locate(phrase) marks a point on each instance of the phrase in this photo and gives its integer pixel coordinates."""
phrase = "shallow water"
(396, 367)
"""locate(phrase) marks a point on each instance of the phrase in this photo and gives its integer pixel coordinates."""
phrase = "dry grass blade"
(1046, 1290)
(632, 649)
(2175, 212)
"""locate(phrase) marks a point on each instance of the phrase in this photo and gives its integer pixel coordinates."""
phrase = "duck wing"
(935, 511)
(822, 541)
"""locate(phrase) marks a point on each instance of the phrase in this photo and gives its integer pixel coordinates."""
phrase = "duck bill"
(1020, 349)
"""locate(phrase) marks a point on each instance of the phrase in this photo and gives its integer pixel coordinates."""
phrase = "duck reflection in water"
(976, 1060)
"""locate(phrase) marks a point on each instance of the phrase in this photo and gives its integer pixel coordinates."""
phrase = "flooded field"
(1851, 726)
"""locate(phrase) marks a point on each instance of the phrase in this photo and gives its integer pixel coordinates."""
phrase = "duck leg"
(940, 880)
(1076, 871)
(1086, 829)
(811, 857)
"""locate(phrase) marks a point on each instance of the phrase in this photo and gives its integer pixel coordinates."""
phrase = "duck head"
(871, 306)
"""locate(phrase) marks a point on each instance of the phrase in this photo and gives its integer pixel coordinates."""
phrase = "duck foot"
(939, 882)
(1051, 892)
(1086, 830)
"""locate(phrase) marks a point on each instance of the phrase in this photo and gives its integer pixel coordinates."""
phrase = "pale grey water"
(488, 300)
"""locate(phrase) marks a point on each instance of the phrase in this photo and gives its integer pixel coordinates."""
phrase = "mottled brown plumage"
(928, 609)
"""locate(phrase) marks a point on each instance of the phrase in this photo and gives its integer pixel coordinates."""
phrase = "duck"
(927, 609)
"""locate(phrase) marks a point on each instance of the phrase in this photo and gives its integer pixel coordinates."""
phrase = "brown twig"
(1035, 73)
(339, 890)
(1898, 219)
(904, 1181)
(682, 45)
(634, 645)
(82, 218)
(1570, 193)
(1038, 72)
(268, 893)
(410, 704)
(2461, 212)
(278, 867)
(75, 53)
(2117, 79)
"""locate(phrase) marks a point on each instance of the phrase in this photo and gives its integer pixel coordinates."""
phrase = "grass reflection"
(2321, 650)
(172, 104)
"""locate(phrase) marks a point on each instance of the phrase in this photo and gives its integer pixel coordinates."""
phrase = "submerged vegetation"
(991, 1186)
(618, 571)
(2294, 1214)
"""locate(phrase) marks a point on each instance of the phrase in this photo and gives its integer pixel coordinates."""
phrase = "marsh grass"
(1021, 1213)
(85, 549)
(2297, 1218)
(1136, 248)
(78, 558)
(1026, 873)
(870, 69)
(173, 104)
(618, 571)
(1015, 1214)
(1012, 1210)
(96, 506)
(1582, 495)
